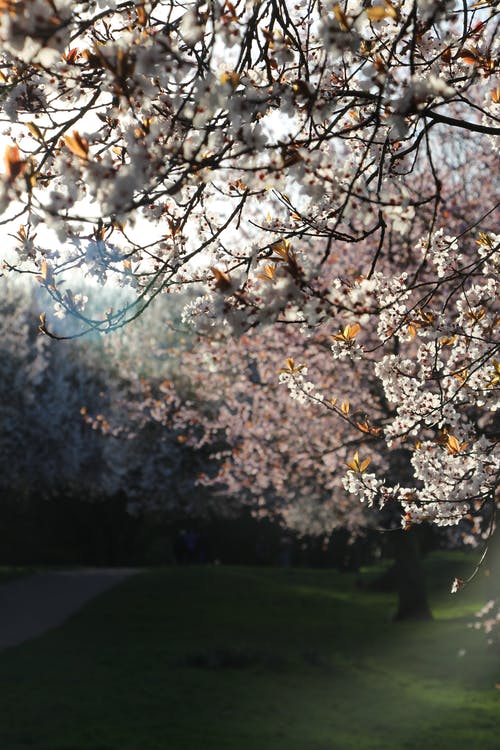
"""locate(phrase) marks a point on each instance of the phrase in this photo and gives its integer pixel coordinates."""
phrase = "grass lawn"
(218, 658)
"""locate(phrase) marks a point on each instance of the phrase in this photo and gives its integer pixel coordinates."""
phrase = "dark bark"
(405, 576)
(413, 603)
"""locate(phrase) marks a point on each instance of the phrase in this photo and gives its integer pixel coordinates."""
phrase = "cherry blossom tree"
(280, 460)
(67, 478)
(289, 462)
(324, 166)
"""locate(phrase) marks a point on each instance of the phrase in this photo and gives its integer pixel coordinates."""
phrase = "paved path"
(30, 606)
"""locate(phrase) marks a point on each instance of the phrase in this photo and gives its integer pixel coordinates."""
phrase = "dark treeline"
(58, 529)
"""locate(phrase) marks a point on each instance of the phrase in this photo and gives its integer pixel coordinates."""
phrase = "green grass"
(219, 658)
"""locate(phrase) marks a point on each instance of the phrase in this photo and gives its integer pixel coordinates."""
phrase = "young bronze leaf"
(222, 279)
(77, 145)
(15, 165)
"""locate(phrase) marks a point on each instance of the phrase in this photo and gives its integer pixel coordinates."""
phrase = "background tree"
(67, 479)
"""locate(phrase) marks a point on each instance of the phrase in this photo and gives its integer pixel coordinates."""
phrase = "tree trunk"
(412, 594)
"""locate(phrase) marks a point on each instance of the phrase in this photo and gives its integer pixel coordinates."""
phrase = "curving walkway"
(32, 605)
